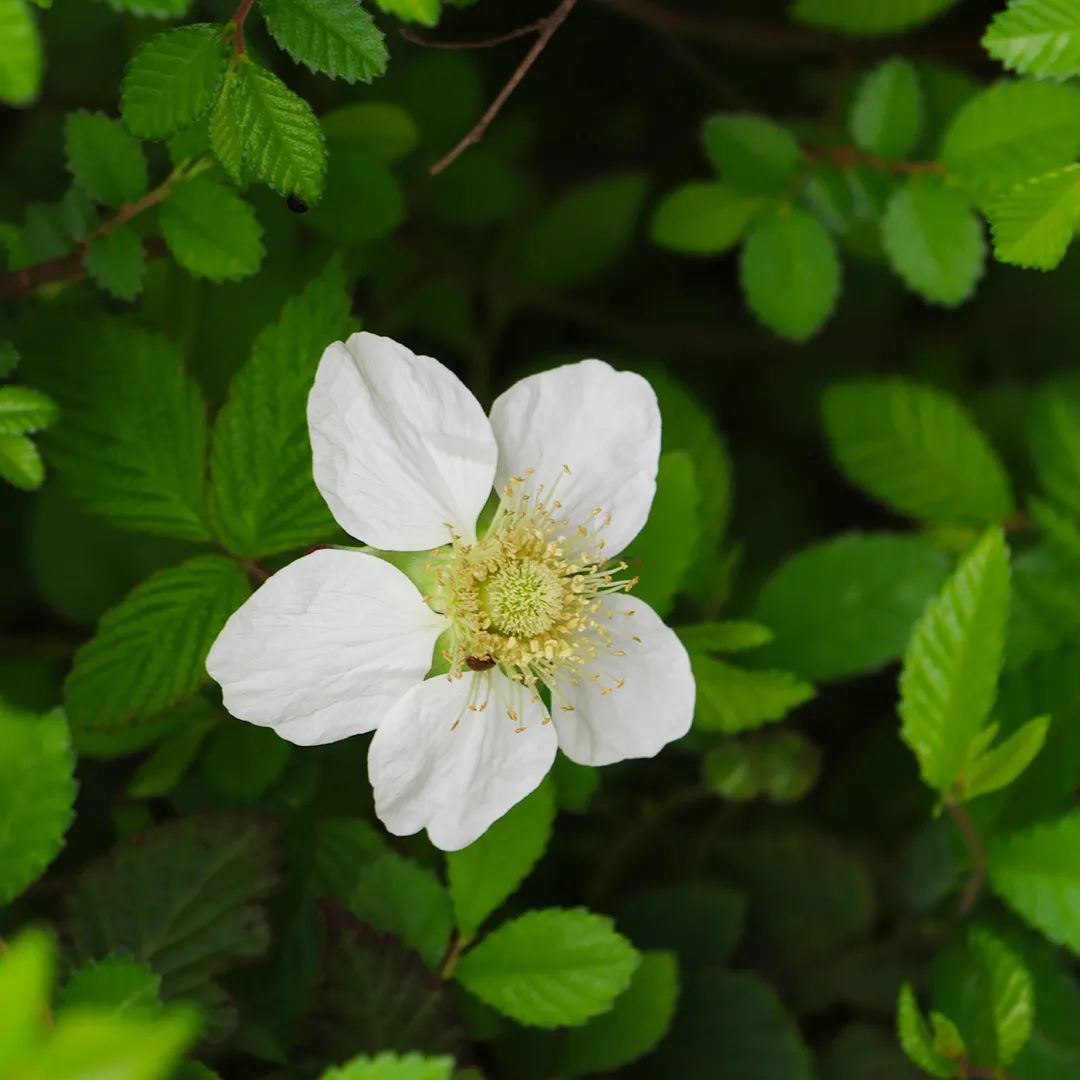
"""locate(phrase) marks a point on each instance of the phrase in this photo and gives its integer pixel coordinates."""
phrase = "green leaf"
(224, 128)
(1033, 223)
(20, 462)
(262, 497)
(934, 241)
(750, 153)
(104, 159)
(163, 770)
(281, 139)
(130, 444)
(732, 1021)
(425, 12)
(264, 753)
(398, 897)
(951, 666)
(703, 217)
(916, 1038)
(917, 450)
(550, 968)
(116, 984)
(790, 272)
(859, 17)
(724, 636)
(637, 1021)
(24, 410)
(21, 59)
(732, 699)
(37, 796)
(584, 232)
(185, 899)
(150, 651)
(1037, 37)
(1054, 440)
(1011, 131)
(486, 873)
(393, 1067)
(26, 970)
(663, 552)
(172, 78)
(984, 984)
(1037, 872)
(9, 358)
(381, 128)
(211, 231)
(887, 112)
(363, 200)
(866, 1052)
(154, 9)
(117, 262)
(1001, 765)
(846, 606)
(335, 37)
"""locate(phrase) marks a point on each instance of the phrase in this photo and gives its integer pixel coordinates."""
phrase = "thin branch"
(237, 20)
(453, 955)
(977, 853)
(522, 31)
(545, 32)
(847, 157)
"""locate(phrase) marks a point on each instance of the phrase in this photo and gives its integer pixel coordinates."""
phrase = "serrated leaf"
(116, 984)
(281, 139)
(225, 133)
(724, 636)
(732, 699)
(1037, 872)
(211, 231)
(24, 410)
(951, 666)
(398, 897)
(702, 218)
(1037, 37)
(1011, 131)
(37, 796)
(752, 154)
(637, 1021)
(116, 261)
(1034, 222)
(487, 872)
(1000, 766)
(393, 1067)
(149, 652)
(21, 60)
(934, 241)
(887, 111)
(790, 273)
(335, 37)
(20, 462)
(130, 444)
(262, 497)
(916, 449)
(583, 232)
(171, 80)
(846, 606)
(917, 1039)
(185, 898)
(859, 17)
(552, 967)
(104, 159)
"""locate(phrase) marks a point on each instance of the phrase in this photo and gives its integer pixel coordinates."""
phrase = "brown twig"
(453, 955)
(522, 31)
(847, 157)
(237, 20)
(545, 30)
(977, 852)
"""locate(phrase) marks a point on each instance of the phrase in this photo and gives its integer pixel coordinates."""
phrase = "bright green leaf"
(104, 159)
(117, 984)
(24, 410)
(887, 112)
(951, 666)
(20, 462)
(1037, 37)
(425, 12)
(26, 970)
(487, 872)
(724, 636)
(732, 699)
(1034, 222)
(224, 129)
(704, 217)
(1000, 766)
(335, 37)
(390, 1066)
(934, 241)
(750, 153)
(917, 450)
(550, 968)
(171, 80)
(790, 272)
(149, 652)
(21, 60)
(917, 1039)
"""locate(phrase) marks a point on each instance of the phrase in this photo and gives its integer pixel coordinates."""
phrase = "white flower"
(529, 611)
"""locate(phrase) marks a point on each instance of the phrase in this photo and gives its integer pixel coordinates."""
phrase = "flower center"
(523, 598)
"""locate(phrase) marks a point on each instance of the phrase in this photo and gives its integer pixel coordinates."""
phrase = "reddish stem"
(238, 18)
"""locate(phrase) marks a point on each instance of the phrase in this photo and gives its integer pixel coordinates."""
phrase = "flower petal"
(400, 446)
(654, 704)
(436, 764)
(602, 424)
(325, 648)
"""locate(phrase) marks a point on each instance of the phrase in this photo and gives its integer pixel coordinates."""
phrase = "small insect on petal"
(479, 663)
